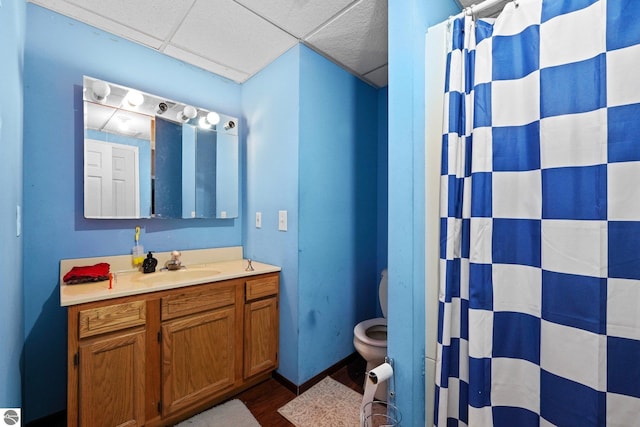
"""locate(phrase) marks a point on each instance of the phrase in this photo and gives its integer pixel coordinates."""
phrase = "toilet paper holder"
(374, 378)
(379, 411)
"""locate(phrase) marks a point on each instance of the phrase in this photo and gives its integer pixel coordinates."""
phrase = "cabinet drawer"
(110, 318)
(197, 300)
(261, 287)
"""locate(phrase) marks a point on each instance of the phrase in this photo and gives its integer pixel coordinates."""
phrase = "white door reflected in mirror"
(111, 180)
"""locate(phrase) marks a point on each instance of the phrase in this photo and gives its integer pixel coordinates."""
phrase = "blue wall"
(270, 101)
(337, 244)
(58, 52)
(313, 150)
(12, 17)
(383, 181)
(408, 23)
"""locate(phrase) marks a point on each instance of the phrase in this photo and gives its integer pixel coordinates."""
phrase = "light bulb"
(124, 123)
(204, 123)
(187, 113)
(100, 90)
(213, 118)
(134, 98)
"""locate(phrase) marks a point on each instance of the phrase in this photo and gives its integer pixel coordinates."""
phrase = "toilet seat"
(360, 331)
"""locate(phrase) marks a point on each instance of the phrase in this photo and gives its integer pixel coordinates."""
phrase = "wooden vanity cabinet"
(111, 384)
(201, 344)
(107, 364)
(261, 325)
(155, 359)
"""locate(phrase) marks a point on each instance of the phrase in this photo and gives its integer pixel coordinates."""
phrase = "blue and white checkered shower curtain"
(539, 311)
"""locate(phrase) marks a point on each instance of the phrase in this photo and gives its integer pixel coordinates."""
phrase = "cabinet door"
(198, 357)
(261, 336)
(111, 383)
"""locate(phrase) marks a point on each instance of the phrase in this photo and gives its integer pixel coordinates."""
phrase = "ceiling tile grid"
(297, 17)
(206, 64)
(357, 38)
(229, 34)
(378, 76)
(238, 38)
(153, 17)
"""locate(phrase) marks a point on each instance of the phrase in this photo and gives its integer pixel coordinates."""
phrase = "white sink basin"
(177, 276)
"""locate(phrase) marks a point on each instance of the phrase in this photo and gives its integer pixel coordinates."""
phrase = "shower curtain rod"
(474, 9)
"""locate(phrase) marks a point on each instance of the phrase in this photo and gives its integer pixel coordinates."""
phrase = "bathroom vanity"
(157, 348)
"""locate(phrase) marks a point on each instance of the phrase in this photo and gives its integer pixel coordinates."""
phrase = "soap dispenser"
(137, 253)
(149, 264)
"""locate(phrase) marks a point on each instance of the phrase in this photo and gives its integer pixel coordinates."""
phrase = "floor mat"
(327, 403)
(232, 413)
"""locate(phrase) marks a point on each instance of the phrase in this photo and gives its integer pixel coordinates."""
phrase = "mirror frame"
(123, 165)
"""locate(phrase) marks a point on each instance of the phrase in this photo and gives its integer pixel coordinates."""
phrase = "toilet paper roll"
(381, 373)
(376, 376)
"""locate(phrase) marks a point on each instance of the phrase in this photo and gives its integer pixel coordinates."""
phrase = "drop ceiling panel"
(297, 17)
(378, 76)
(357, 38)
(155, 18)
(88, 17)
(204, 63)
(237, 38)
(227, 33)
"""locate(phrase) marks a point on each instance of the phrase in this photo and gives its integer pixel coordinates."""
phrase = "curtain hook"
(450, 21)
(470, 11)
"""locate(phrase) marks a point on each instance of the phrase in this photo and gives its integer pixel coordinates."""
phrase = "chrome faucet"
(174, 263)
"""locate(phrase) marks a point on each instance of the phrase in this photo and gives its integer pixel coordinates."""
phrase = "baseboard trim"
(285, 382)
(299, 389)
(55, 419)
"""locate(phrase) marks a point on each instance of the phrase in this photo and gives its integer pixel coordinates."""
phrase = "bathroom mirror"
(146, 156)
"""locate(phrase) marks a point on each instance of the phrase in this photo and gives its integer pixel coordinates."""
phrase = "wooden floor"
(264, 399)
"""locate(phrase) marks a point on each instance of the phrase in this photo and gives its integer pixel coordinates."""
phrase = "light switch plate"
(258, 219)
(282, 220)
(18, 220)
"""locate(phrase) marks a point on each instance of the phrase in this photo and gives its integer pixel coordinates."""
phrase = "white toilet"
(370, 337)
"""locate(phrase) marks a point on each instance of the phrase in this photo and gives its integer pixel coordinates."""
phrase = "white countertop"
(216, 267)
